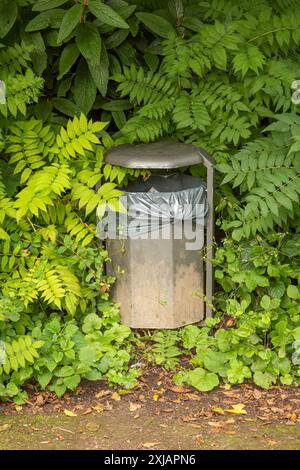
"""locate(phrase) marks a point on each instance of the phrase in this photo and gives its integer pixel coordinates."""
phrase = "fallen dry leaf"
(179, 389)
(218, 410)
(220, 424)
(237, 409)
(99, 408)
(92, 426)
(102, 393)
(18, 408)
(69, 413)
(115, 396)
(216, 424)
(125, 392)
(87, 411)
(148, 445)
(193, 396)
(226, 386)
(39, 400)
(134, 406)
(199, 439)
(4, 427)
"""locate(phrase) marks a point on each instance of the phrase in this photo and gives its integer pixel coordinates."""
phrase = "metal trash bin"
(160, 272)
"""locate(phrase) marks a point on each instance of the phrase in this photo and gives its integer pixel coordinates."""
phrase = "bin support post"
(209, 280)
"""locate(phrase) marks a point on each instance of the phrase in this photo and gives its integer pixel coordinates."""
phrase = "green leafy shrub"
(214, 74)
(57, 352)
(53, 285)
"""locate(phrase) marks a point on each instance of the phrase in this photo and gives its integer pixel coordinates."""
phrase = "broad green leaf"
(88, 41)
(106, 14)
(100, 72)
(65, 106)
(293, 292)
(68, 58)
(84, 88)
(64, 371)
(264, 379)
(45, 19)
(117, 105)
(44, 379)
(72, 382)
(43, 5)
(88, 353)
(157, 24)
(176, 6)
(215, 361)
(69, 22)
(296, 333)
(8, 16)
(265, 302)
(276, 289)
(202, 380)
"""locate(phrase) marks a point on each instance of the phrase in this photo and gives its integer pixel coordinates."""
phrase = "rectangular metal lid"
(155, 155)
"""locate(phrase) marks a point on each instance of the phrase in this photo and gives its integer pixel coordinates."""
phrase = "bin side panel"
(158, 282)
(188, 285)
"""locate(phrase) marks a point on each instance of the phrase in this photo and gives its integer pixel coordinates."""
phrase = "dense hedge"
(78, 77)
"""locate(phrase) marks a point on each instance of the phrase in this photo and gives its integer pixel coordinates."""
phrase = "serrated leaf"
(84, 88)
(68, 58)
(106, 14)
(42, 5)
(8, 16)
(293, 292)
(69, 22)
(157, 24)
(88, 41)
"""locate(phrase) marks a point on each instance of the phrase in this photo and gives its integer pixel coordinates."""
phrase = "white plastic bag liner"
(152, 204)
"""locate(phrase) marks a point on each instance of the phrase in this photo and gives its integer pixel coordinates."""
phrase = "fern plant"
(267, 173)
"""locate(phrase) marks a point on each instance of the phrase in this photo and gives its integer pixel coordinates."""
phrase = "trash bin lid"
(155, 155)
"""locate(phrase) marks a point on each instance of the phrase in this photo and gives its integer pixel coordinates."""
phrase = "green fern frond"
(70, 284)
(21, 90)
(191, 112)
(157, 110)
(30, 144)
(182, 58)
(145, 129)
(14, 59)
(249, 58)
(267, 172)
(78, 137)
(42, 188)
(143, 87)
(82, 232)
(51, 287)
